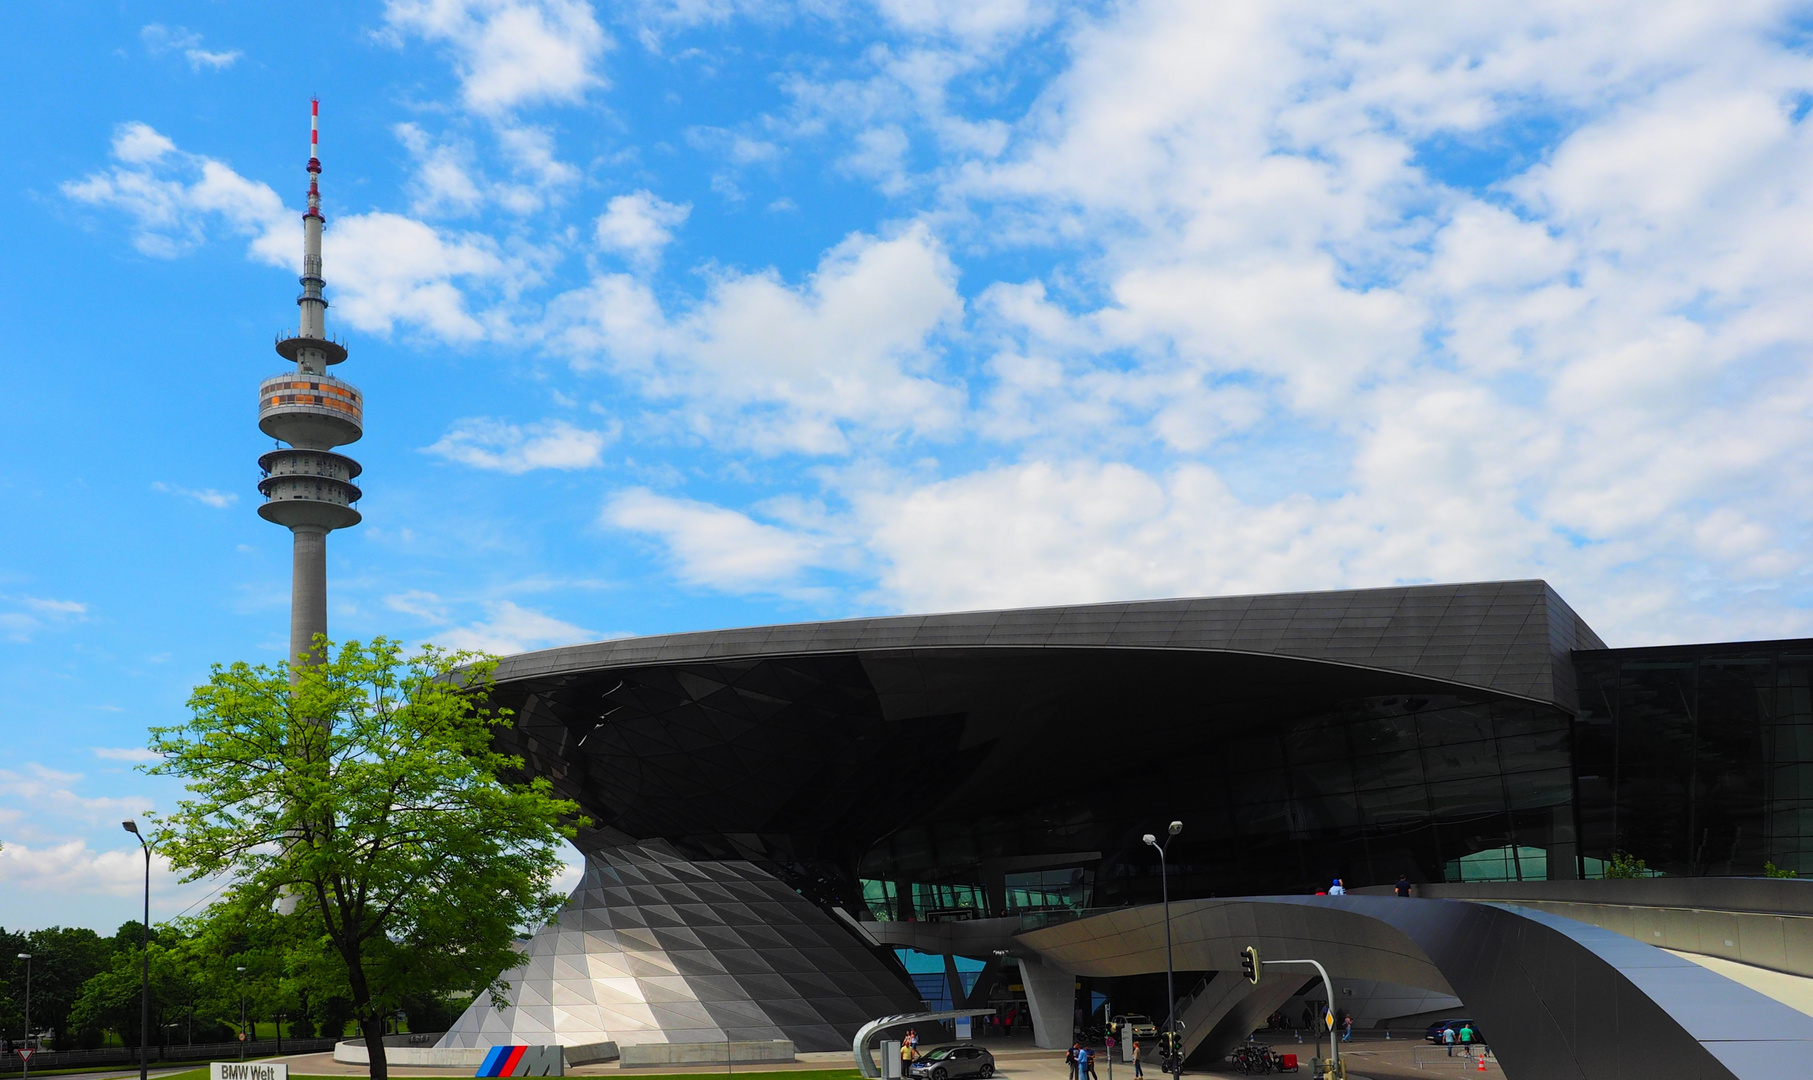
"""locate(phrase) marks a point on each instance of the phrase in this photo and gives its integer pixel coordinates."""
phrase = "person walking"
(1337, 889)
(1448, 1039)
(1138, 1072)
(1466, 1039)
(1347, 1028)
(1308, 1018)
(1403, 886)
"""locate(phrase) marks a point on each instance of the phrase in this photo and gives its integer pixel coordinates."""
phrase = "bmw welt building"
(790, 823)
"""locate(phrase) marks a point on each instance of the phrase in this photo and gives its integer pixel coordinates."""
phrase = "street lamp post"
(1164, 880)
(144, 998)
(25, 956)
(243, 1037)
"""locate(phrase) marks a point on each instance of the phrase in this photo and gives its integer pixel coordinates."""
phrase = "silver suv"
(1143, 1027)
(950, 1062)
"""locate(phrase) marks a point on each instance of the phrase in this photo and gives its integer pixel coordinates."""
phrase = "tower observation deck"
(308, 487)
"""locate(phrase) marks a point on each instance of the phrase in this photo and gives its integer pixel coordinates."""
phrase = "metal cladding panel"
(1514, 637)
(664, 958)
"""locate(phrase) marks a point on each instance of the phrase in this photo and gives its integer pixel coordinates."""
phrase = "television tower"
(307, 487)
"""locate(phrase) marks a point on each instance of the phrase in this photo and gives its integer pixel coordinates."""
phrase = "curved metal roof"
(1513, 637)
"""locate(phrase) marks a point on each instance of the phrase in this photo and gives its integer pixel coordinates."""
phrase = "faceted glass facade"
(933, 782)
(1698, 759)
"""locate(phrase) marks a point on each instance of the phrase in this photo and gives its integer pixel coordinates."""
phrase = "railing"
(1430, 1056)
(12, 1064)
(1034, 920)
(1183, 1003)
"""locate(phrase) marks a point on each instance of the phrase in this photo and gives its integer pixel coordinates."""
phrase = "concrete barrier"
(452, 1057)
(459, 1057)
(706, 1053)
(590, 1053)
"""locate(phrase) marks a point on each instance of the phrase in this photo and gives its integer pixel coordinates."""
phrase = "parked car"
(950, 1062)
(1143, 1027)
(1434, 1034)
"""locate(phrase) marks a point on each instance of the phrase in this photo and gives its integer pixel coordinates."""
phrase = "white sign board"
(247, 1070)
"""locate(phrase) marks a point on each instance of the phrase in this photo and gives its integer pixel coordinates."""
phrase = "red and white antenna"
(314, 129)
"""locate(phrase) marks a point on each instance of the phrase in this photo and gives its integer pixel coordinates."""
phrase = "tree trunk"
(370, 1026)
(373, 1030)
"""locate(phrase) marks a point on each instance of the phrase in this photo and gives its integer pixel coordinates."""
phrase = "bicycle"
(1252, 1058)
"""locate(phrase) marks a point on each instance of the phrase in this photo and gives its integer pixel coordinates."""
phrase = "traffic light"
(1250, 965)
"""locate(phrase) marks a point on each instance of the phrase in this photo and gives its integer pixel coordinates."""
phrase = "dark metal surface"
(1514, 637)
(1772, 896)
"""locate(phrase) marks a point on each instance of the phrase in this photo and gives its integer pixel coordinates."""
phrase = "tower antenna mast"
(308, 488)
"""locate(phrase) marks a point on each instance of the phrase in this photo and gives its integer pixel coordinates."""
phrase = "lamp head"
(239, 969)
(1150, 839)
(25, 956)
(1176, 827)
(130, 826)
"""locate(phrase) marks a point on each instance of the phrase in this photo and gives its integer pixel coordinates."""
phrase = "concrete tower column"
(308, 589)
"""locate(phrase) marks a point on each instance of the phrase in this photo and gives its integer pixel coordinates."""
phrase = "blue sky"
(677, 315)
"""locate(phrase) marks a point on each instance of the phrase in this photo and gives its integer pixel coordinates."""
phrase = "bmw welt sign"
(247, 1070)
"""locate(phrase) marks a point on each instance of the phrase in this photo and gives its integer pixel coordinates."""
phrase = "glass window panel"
(1462, 798)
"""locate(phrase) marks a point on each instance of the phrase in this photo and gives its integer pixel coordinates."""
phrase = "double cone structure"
(308, 488)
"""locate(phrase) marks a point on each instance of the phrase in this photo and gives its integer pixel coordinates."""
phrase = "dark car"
(950, 1062)
(1434, 1034)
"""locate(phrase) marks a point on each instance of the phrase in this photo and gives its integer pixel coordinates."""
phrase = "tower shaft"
(308, 487)
(308, 590)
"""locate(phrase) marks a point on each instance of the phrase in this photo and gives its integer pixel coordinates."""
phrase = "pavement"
(1369, 1057)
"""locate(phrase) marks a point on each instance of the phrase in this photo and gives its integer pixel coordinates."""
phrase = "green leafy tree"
(367, 822)
(1625, 865)
(110, 999)
(62, 960)
(12, 984)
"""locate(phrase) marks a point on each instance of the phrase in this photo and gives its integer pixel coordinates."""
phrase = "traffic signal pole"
(1254, 969)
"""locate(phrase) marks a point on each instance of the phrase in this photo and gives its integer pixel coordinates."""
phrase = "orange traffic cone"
(1482, 1061)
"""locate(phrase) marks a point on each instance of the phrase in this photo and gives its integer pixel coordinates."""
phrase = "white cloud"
(139, 143)
(451, 179)
(484, 443)
(23, 616)
(52, 795)
(171, 197)
(136, 755)
(160, 39)
(510, 53)
(419, 603)
(639, 225)
(71, 866)
(715, 547)
(448, 180)
(977, 20)
(510, 628)
(383, 269)
(779, 368)
(55, 608)
(206, 496)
